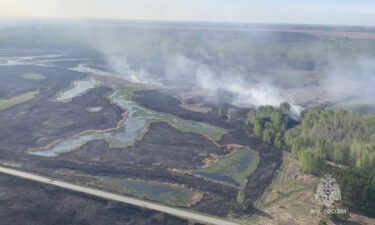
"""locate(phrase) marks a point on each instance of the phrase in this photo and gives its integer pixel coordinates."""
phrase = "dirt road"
(196, 217)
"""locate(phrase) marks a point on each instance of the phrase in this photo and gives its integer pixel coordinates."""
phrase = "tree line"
(339, 136)
(343, 139)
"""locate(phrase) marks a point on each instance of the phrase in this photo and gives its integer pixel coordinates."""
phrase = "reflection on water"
(27, 60)
(131, 130)
(148, 188)
(66, 145)
(156, 191)
(94, 109)
(231, 169)
(124, 136)
(78, 88)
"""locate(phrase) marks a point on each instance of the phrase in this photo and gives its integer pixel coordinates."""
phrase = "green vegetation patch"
(204, 129)
(156, 191)
(33, 76)
(6, 103)
(132, 128)
(233, 169)
(209, 131)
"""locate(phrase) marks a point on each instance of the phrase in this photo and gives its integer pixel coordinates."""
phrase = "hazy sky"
(360, 12)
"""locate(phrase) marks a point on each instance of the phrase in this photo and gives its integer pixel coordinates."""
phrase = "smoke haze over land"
(234, 65)
(357, 78)
(145, 56)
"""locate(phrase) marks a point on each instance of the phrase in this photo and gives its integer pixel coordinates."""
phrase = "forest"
(270, 123)
(335, 141)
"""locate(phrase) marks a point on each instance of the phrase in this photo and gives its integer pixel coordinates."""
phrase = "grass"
(241, 197)
(229, 166)
(126, 94)
(169, 194)
(116, 143)
(207, 130)
(183, 198)
(6, 103)
(289, 198)
(33, 76)
(242, 176)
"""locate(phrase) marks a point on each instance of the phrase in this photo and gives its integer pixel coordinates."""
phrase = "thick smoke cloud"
(238, 90)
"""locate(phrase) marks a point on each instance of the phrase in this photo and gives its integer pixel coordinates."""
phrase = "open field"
(164, 193)
(232, 169)
(185, 214)
(365, 106)
(326, 33)
(131, 129)
(6, 103)
(29, 202)
(169, 139)
(33, 76)
(290, 199)
(170, 143)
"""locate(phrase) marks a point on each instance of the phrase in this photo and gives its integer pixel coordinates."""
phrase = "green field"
(233, 169)
(33, 76)
(6, 103)
(156, 191)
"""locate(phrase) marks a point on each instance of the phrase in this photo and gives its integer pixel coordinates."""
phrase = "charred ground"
(156, 157)
(26, 202)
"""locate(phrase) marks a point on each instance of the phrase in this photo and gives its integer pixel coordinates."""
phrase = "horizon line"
(36, 18)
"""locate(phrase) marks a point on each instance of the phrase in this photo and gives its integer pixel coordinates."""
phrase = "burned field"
(270, 158)
(161, 115)
(26, 202)
(38, 122)
(162, 147)
(164, 159)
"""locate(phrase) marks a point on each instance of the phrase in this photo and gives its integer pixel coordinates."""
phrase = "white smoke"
(243, 93)
(355, 80)
(119, 64)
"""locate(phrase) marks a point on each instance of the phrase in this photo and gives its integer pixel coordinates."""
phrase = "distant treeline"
(247, 51)
(346, 140)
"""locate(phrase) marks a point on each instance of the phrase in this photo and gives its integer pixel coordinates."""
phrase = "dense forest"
(270, 123)
(339, 136)
(339, 142)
